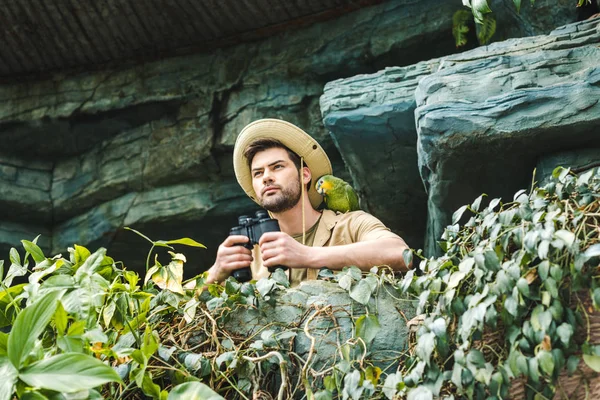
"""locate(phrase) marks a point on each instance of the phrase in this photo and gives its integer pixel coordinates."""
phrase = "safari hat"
(290, 136)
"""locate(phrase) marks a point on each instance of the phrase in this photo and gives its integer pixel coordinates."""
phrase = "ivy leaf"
(361, 292)
(425, 346)
(593, 251)
(566, 236)
(458, 214)
(420, 393)
(546, 362)
(592, 361)
(572, 364)
(352, 386)
(477, 203)
(511, 305)
(281, 277)
(455, 279)
(367, 327)
(390, 386)
(264, 286)
(407, 257)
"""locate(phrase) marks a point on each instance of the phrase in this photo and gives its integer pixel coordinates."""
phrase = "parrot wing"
(352, 198)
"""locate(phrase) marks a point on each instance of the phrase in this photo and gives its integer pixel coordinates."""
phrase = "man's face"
(275, 179)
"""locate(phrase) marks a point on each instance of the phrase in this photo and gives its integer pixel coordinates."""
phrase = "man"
(277, 163)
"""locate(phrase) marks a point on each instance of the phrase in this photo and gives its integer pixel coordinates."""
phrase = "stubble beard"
(285, 200)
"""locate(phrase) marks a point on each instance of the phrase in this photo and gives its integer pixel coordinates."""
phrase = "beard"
(285, 200)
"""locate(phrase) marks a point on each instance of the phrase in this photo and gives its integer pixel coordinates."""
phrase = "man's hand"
(229, 258)
(278, 248)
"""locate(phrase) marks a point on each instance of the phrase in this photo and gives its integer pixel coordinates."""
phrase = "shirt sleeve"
(363, 227)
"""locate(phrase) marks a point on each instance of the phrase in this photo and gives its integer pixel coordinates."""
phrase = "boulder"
(472, 140)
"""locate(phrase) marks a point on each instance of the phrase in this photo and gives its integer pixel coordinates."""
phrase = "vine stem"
(282, 368)
(309, 393)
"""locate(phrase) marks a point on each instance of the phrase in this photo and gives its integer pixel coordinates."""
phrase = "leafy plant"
(507, 302)
(81, 328)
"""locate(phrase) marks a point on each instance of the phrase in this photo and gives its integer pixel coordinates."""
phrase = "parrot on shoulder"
(337, 194)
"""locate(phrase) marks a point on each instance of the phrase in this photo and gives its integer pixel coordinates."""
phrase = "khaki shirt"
(333, 229)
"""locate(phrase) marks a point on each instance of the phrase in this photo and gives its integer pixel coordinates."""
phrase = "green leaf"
(361, 292)
(487, 29)
(518, 5)
(592, 361)
(69, 372)
(546, 362)
(565, 331)
(13, 271)
(91, 264)
(566, 236)
(8, 378)
(420, 393)
(390, 387)
(7, 309)
(367, 327)
(458, 214)
(35, 395)
(34, 250)
(407, 257)
(28, 326)
(149, 387)
(477, 203)
(572, 364)
(60, 319)
(81, 254)
(14, 256)
(460, 28)
(425, 346)
(140, 234)
(593, 251)
(523, 286)
(184, 241)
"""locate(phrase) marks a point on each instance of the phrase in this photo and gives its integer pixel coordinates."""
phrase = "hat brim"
(290, 136)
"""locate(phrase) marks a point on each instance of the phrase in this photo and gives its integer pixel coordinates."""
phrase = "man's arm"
(278, 248)
(365, 255)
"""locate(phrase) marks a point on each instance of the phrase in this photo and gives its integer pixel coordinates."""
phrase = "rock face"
(330, 314)
(149, 146)
(468, 140)
(473, 140)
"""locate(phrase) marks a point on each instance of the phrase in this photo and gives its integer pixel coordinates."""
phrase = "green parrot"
(337, 193)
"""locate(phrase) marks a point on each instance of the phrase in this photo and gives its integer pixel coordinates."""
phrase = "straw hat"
(290, 136)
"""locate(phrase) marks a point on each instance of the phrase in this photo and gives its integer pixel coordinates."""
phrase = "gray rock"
(579, 161)
(473, 140)
(333, 324)
(113, 137)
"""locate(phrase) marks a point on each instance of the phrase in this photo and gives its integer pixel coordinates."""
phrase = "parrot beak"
(322, 187)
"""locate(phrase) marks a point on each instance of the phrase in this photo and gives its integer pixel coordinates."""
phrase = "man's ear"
(306, 175)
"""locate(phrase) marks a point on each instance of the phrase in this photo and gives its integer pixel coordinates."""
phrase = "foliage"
(83, 328)
(508, 297)
(482, 14)
(461, 25)
(506, 303)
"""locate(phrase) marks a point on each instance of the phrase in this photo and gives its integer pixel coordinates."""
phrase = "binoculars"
(253, 228)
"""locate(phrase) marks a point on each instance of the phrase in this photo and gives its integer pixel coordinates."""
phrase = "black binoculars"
(253, 228)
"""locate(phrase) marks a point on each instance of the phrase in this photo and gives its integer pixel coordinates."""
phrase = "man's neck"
(290, 221)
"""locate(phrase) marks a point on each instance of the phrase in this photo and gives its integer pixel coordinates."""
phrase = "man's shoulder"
(347, 216)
